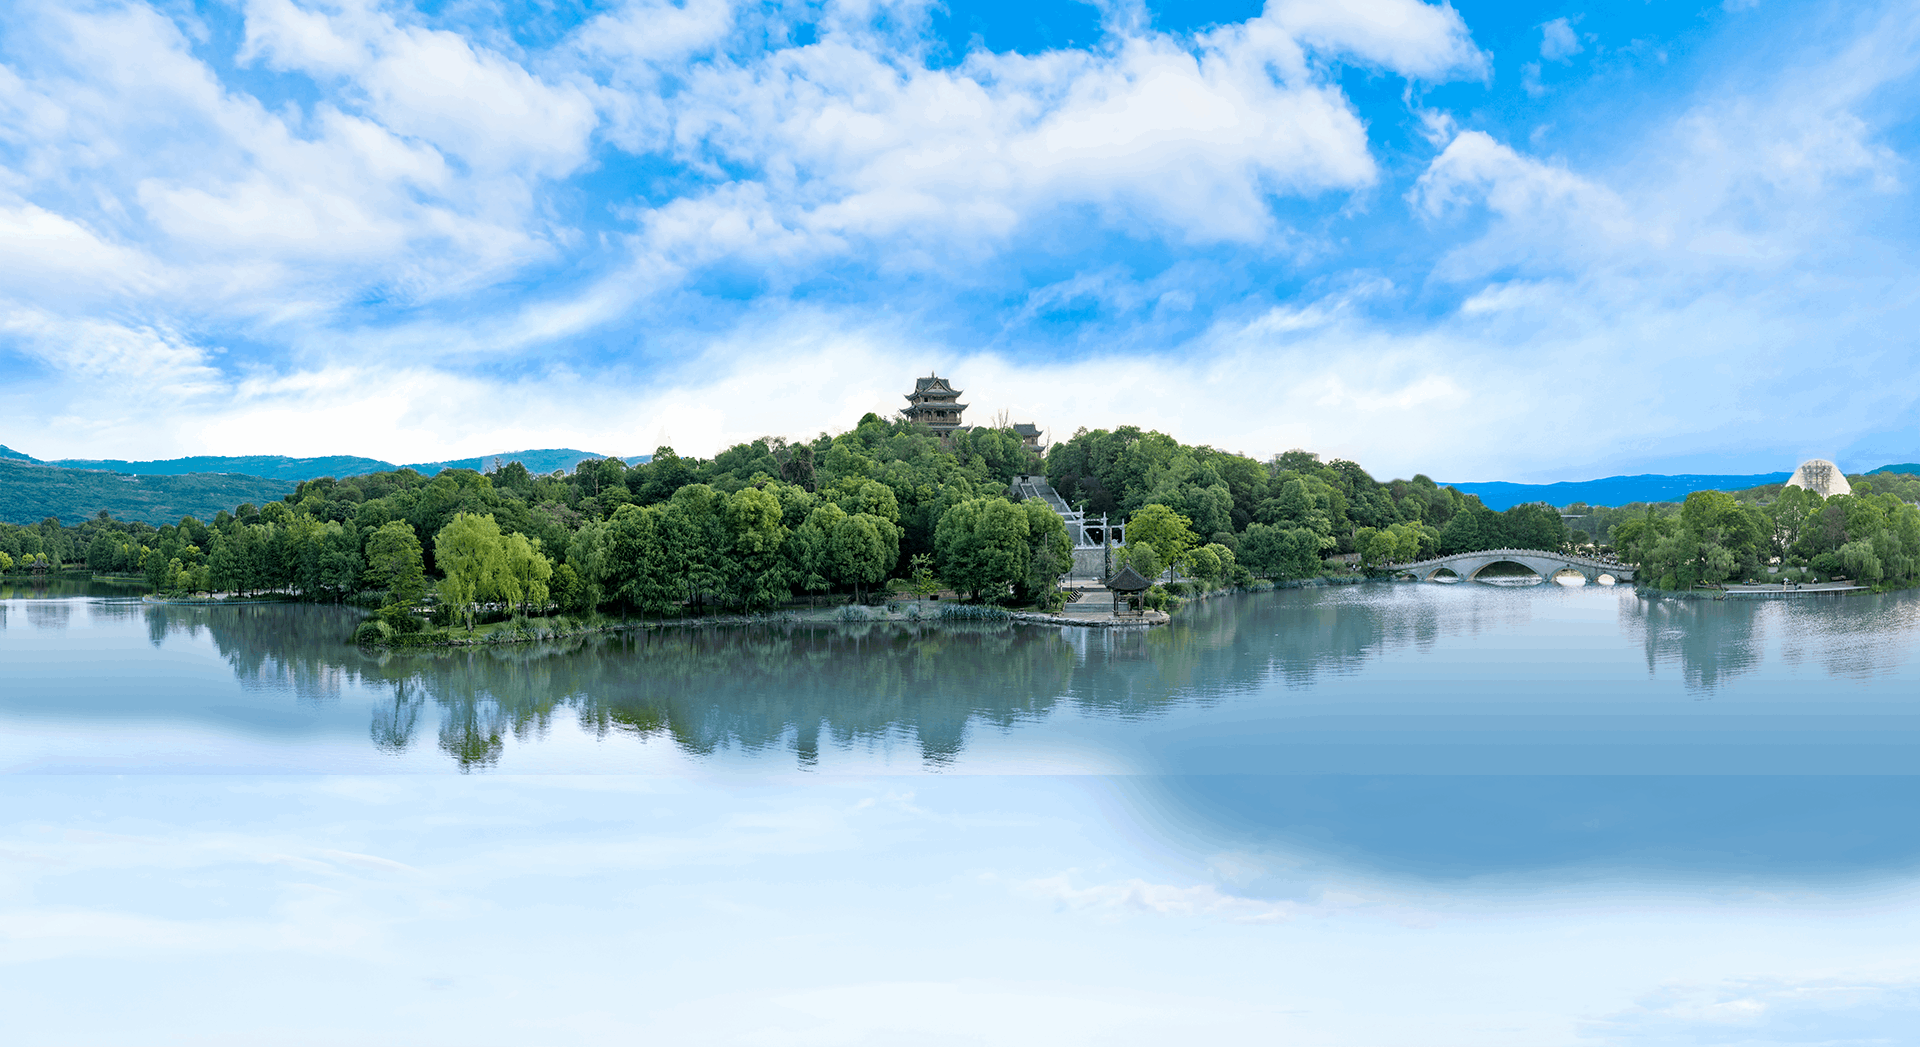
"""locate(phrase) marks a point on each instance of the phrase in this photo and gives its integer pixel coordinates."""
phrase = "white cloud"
(1139, 896)
(432, 85)
(1169, 136)
(44, 256)
(1423, 41)
(1558, 43)
(1866, 1008)
(144, 365)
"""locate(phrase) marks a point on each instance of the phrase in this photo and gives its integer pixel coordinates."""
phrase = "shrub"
(855, 613)
(974, 612)
(400, 621)
(372, 631)
(1158, 598)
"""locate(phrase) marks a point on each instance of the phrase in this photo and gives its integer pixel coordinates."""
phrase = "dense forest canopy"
(765, 521)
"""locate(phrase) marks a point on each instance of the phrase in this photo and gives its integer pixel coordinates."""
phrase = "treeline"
(1871, 536)
(763, 522)
(1281, 518)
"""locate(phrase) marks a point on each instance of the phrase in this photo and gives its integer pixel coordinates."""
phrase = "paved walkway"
(1809, 589)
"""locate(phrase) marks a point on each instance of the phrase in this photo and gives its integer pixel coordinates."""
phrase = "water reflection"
(800, 690)
(1714, 642)
(1459, 827)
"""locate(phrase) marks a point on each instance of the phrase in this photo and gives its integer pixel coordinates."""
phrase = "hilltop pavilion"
(935, 404)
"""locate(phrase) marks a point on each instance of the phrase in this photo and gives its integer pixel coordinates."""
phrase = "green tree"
(639, 567)
(472, 559)
(1170, 534)
(761, 575)
(1050, 553)
(862, 548)
(525, 572)
(982, 546)
(395, 564)
(1144, 558)
(694, 529)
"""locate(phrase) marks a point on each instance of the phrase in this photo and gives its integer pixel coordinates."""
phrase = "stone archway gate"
(1539, 561)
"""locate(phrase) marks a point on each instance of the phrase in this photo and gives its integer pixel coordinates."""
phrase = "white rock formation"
(1820, 476)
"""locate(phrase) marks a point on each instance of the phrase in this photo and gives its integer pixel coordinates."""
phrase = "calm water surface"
(1380, 814)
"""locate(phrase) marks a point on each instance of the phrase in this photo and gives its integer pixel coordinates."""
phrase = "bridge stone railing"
(1540, 561)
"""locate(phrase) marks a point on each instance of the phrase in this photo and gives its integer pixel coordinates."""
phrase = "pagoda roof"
(921, 385)
(1026, 429)
(1128, 581)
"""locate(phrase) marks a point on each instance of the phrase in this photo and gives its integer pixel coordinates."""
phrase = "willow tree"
(473, 559)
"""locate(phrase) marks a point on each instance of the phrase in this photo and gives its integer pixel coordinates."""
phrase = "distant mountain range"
(163, 491)
(280, 467)
(1621, 490)
(73, 489)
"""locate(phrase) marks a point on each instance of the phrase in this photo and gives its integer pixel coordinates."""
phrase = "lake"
(1391, 813)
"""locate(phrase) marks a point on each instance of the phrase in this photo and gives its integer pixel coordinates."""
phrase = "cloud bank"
(1371, 229)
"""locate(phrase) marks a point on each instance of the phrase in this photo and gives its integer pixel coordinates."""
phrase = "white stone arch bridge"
(1545, 564)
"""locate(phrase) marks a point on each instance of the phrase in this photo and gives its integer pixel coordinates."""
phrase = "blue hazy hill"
(538, 462)
(264, 466)
(1613, 490)
(294, 470)
(159, 492)
(32, 491)
(1909, 468)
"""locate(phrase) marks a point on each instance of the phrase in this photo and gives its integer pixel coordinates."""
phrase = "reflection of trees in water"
(393, 722)
(1714, 641)
(48, 615)
(786, 687)
(299, 649)
(1850, 636)
(752, 688)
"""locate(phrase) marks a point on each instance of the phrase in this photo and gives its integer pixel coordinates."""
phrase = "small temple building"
(1029, 435)
(934, 404)
(1127, 587)
(1822, 477)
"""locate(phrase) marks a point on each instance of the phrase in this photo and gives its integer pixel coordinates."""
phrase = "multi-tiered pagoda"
(934, 404)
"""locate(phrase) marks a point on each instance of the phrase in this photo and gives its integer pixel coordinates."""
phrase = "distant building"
(1821, 477)
(1029, 435)
(934, 404)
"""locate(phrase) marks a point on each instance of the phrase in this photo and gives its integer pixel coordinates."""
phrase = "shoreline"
(539, 635)
(879, 616)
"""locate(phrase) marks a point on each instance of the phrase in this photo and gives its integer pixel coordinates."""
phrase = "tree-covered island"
(892, 507)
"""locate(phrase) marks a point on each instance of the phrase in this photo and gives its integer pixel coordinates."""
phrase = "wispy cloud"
(433, 229)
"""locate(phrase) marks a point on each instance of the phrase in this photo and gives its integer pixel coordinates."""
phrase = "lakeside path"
(1809, 589)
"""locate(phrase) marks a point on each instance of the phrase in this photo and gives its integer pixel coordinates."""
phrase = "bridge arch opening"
(1569, 577)
(1508, 573)
(1606, 579)
(1446, 575)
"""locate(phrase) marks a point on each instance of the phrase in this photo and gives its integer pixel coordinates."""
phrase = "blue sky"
(1525, 242)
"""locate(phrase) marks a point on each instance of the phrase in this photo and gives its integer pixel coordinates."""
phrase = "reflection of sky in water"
(1387, 815)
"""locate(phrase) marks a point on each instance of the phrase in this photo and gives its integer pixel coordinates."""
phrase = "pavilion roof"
(1128, 581)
